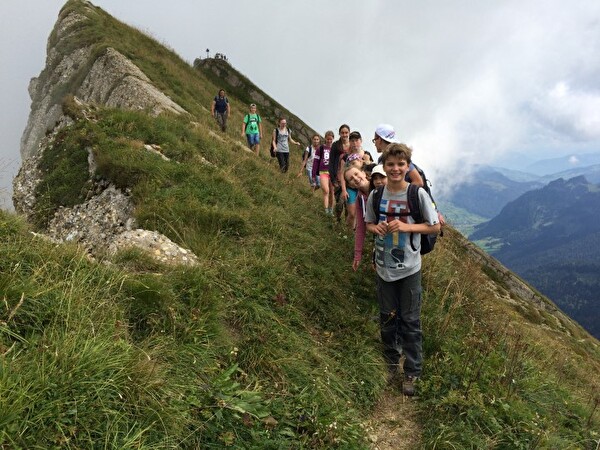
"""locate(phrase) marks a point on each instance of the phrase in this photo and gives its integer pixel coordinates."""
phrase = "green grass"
(268, 343)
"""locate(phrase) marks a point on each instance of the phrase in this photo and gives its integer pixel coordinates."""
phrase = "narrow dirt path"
(393, 424)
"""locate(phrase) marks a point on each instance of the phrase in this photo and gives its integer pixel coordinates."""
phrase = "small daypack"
(427, 240)
(272, 149)
(221, 104)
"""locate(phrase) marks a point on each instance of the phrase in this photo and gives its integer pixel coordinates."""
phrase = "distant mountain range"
(551, 237)
(565, 163)
(489, 188)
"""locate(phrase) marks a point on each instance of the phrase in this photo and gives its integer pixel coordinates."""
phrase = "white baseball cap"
(386, 132)
(378, 170)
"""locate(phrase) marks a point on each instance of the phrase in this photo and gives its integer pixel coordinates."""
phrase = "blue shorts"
(352, 195)
(253, 139)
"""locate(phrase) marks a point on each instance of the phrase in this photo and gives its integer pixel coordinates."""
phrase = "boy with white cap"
(384, 136)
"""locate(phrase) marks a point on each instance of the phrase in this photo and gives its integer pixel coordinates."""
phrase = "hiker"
(359, 179)
(398, 263)
(378, 177)
(220, 109)
(353, 157)
(338, 149)
(307, 162)
(252, 129)
(282, 136)
(384, 136)
(321, 164)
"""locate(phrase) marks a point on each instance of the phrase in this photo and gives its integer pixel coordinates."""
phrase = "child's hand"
(398, 226)
(381, 228)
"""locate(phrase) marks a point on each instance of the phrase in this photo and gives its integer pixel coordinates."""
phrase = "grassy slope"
(269, 343)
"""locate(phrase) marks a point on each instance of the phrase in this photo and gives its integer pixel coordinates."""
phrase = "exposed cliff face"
(110, 79)
(105, 220)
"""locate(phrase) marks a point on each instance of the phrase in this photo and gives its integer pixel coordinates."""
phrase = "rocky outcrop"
(110, 79)
(105, 220)
(116, 82)
(56, 78)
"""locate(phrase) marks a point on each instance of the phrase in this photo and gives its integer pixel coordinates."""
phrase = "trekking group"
(390, 199)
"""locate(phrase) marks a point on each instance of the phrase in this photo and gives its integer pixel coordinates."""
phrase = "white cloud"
(462, 82)
(574, 113)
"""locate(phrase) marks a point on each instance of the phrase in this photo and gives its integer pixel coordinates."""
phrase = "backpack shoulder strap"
(377, 194)
(413, 203)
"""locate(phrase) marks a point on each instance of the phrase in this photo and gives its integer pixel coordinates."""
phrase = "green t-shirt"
(252, 121)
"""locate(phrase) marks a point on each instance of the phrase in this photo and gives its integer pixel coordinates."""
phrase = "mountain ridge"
(253, 344)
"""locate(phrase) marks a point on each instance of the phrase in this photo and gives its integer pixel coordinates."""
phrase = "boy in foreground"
(398, 265)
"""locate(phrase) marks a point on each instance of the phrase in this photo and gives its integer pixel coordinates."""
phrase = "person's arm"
(293, 141)
(228, 108)
(212, 108)
(304, 160)
(379, 229)
(260, 131)
(359, 233)
(342, 179)
(415, 177)
(397, 225)
(274, 140)
(244, 126)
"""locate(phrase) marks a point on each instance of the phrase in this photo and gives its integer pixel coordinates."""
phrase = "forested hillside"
(550, 237)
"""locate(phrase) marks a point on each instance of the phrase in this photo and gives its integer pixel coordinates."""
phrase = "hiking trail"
(393, 424)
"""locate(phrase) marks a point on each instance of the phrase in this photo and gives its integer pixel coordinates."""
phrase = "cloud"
(462, 84)
(573, 113)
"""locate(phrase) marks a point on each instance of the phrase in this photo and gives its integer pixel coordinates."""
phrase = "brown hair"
(401, 151)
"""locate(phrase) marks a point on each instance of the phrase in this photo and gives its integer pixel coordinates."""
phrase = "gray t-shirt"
(282, 141)
(394, 257)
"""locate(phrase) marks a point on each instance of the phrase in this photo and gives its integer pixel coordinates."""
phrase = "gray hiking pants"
(221, 120)
(400, 322)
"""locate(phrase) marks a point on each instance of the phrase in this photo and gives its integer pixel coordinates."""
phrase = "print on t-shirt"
(395, 242)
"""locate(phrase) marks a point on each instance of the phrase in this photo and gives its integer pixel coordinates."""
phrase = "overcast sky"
(462, 82)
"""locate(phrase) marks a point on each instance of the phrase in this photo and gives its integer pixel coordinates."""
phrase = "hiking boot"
(393, 374)
(408, 386)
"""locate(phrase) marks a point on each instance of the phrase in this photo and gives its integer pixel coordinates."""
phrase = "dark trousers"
(400, 322)
(284, 160)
